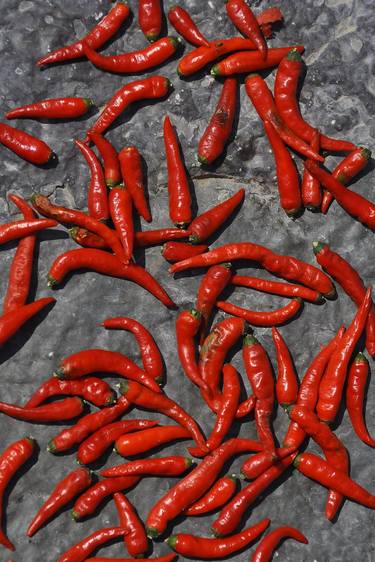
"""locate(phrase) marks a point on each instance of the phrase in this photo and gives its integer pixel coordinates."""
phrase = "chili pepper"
(210, 221)
(272, 318)
(155, 237)
(243, 18)
(111, 164)
(135, 539)
(65, 491)
(146, 398)
(92, 389)
(59, 108)
(26, 146)
(11, 460)
(255, 465)
(97, 200)
(311, 192)
(219, 129)
(65, 409)
(178, 184)
(218, 495)
(12, 321)
(147, 88)
(355, 392)
(287, 383)
(286, 172)
(246, 407)
(286, 88)
(131, 169)
(269, 543)
(80, 551)
(332, 383)
(351, 282)
(150, 18)
(19, 229)
(185, 26)
(277, 288)
(99, 35)
(98, 442)
(142, 441)
(269, 16)
(106, 264)
(177, 251)
(151, 356)
(121, 211)
(75, 434)
(346, 170)
(192, 487)
(288, 267)
(264, 103)
(22, 264)
(134, 61)
(163, 466)
(167, 558)
(187, 326)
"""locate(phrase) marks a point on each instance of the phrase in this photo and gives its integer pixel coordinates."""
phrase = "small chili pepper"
(59, 108)
(121, 211)
(163, 466)
(269, 16)
(178, 184)
(210, 221)
(269, 543)
(184, 25)
(97, 200)
(19, 229)
(243, 18)
(192, 487)
(80, 551)
(92, 389)
(156, 237)
(150, 18)
(70, 487)
(286, 87)
(111, 164)
(177, 251)
(92, 448)
(187, 327)
(87, 239)
(11, 460)
(287, 383)
(135, 539)
(65, 409)
(219, 129)
(217, 496)
(142, 441)
(355, 392)
(351, 282)
(246, 407)
(167, 558)
(100, 34)
(255, 465)
(311, 192)
(272, 318)
(277, 288)
(26, 146)
(147, 88)
(131, 169)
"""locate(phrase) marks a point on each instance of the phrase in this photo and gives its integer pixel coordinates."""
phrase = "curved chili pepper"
(184, 25)
(167, 558)
(111, 164)
(11, 460)
(269, 543)
(135, 539)
(26, 146)
(142, 441)
(163, 466)
(65, 409)
(310, 188)
(277, 288)
(59, 108)
(66, 490)
(219, 129)
(355, 392)
(99, 35)
(150, 18)
(131, 169)
(286, 87)
(177, 251)
(188, 323)
(218, 495)
(245, 21)
(178, 184)
(92, 448)
(156, 237)
(19, 229)
(146, 88)
(87, 239)
(121, 211)
(192, 487)
(272, 318)
(80, 551)
(287, 383)
(255, 465)
(204, 225)
(269, 16)
(92, 389)
(246, 407)
(97, 199)
(12, 321)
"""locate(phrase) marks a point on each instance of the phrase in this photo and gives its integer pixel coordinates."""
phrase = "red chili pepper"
(66, 490)
(65, 409)
(287, 382)
(59, 108)
(151, 357)
(92, 389)
(204, 225)
(163, 466)
(167, 558)
(286, 172)
(187, 327)
(26, 146)
(142, 441)
(219, 129)
(255, 465)
(277, 288)
(121, 211)
(147, 88)
(12, 321)
(99, 35)
(150, 18)
(97, 199)
(177, 251)
(269, 16)
(272, 318)
(156, 237)
(131, 169)
(184, 25)
(217, 496)
(92, 448)
(311, 192)
(269, 543)
(286, 87)
(11, 460)
(355, 392)
(178, 184)
(80, 551)
(87, 239)
(106, 264)
(245, 21)
(111, 164)
(246, 407)
(19, 229)
(351, 282)
(135, 539)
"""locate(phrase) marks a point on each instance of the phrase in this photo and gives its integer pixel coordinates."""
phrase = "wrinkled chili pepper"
(59, 108)
(150, 18)
(246, 407)
(217, 496)
(142, 441)
(162, 466)
(255, 465)
(135, 538)
(310, 187)
(272, 318)
(269, 543)
(92, 389)
(185, 26)
(80, 551)
(141, 239)
(243, 18)
(177, 251)
(355, 392)
(87, 239)
(131, 169)
(277, 288)
(287, 382)
(26, 146)
(167, 558)
(65, 409)
(19, 229)
(188, 323)
(111, 164)
(97, 199)
(121, 211)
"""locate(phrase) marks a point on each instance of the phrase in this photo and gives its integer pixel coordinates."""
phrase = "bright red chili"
(121, 211)
(255, 465)
(188, 323)
(59, 108)
(268, 17)
(97, 198)
(287, 382)
(167, 558)
(111, 164)
(19, 229)
(142, 441)
(243, 18)
(270, 542)
(131, 170)
(26, 146)
(92, 389)
(156, 237)
(150, 18)
(65, 409)
(87, 239)
(80, 551)
(135, 539)
(355, 393)
(311, 191)
(246, 407)
(177, 251)
(12, 321)
(185, 26)
(272, 318)
(162, 466)
(217, 496)
(277, 288)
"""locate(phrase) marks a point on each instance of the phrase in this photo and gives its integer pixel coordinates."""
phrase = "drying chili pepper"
(218, 495)
(355, 392)
(26, 146)
(92, 389)
(142, 441)
(135, 539)
(246, 407)
(131, 169)
(177, 251)
(111, 164)
(99, 35)
(121, 211)
(178, 184)
(287, 383)
(192, 487)
(269, 543)
(255, 465)
(65, 409)
(219, 129)
(351, 282)
(286, 172)
(106, 264)
(277, 288)
(286, 88)
(92, 448)
(12, 321)
(59, 108)
(75, 434)
(146, 88)
(184, 25)
(167, 558)
(204, 225)
(11, 460)
(70, 487)
(243, 18)
(151, 357)
(272, 318)
(87, 239)
(97, 199)
(150, 18)
(163, 466)
(188, 323)
(269, 16)
(19, 229)
(80, 551)
(156, 237)
(311, 192)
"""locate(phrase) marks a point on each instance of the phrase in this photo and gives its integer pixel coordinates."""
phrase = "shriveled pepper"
(217, 496)
(92, 389)
(121, 211)
(135, 538)
(310, 187)
(256, 318)
(162, 466)
(65, 409)
(80, 551)
(256, 464)
(277, 288)
(269, 543)
(355, 392)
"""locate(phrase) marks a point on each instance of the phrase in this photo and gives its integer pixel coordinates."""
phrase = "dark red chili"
(156, 237)
(121, 211)
(142, 441)
(92, 389)
(65, 409)
(26, 146)
(97, 197)
(277, 288)
(150, 18)
(19, 229)
(59, 108)
(311, 191)
(187, 327)
(255, 465)
(162, 466)
(111, 164)
(243, 18)
(287, 382)
(272, 318)
(80, 551)
(355, 393)
(269, 543)
(217, 496)
(12, 321)
(135, 538)
(184, 25)
(167, 558)
(177, 251)
(131, 169)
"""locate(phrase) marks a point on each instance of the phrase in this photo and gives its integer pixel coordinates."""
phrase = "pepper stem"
(318, 246)
(172, 541)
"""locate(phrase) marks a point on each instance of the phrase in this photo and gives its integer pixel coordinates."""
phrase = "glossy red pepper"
(19, 229)
(135, 539)
(255, 465)
(150, 18)
(162, 466)
(80, 551)
(111, 164)
(277, 288)
(97, 198)
(59, 108)
(121, 211)
(188, 323)
(217, 496)
(287, 382)
(92, 389)
(272, 318)
(26, 146)
(311, 191)
(243, 18)
(87, 239)
(177, 251)
(167, 558)
(184, 25)
(246, 407)
(141, 239)
(65, 409)
(142, 441)
(131, 169)
(269, 543)
(355, 393)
